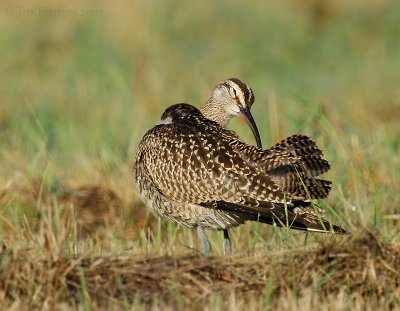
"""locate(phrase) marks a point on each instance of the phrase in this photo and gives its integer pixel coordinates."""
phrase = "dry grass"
(359, 266)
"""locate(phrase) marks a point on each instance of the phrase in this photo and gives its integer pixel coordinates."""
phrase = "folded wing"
(197, 161)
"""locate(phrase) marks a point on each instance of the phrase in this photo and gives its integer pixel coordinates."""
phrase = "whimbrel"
(196, 172)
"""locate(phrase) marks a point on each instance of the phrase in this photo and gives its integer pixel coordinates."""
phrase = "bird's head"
(229, 99)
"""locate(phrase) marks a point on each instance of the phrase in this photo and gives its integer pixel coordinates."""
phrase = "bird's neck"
(213, 111)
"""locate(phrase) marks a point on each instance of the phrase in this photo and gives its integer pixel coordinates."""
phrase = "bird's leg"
(205, 245)
(227, 243)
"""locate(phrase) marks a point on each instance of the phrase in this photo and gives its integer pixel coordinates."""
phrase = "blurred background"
(81, 82)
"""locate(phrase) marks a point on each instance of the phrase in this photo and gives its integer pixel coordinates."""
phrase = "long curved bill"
(245, 114)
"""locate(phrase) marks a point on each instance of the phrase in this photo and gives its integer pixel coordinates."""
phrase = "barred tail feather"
(309, 156)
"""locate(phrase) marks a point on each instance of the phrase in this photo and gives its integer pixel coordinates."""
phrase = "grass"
(77, 93)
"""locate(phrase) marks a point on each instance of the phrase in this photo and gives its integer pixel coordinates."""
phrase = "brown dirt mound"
(91, 207)
(363, 265)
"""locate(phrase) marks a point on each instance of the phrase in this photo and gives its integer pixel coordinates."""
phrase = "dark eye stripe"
(246, 90)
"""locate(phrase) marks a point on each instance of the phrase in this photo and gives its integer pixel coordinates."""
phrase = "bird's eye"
(233, 92)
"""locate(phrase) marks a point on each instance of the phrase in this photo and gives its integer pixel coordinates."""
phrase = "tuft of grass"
(362, 266)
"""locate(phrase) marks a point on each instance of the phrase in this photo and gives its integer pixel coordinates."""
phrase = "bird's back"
(192, 161)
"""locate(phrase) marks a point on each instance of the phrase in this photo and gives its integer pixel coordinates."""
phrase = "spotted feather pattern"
(195, 172)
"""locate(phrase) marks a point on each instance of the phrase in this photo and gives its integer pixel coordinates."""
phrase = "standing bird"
(193, 170)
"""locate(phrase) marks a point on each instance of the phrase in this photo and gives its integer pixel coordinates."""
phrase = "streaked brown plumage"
(194, 171)
(191, 170)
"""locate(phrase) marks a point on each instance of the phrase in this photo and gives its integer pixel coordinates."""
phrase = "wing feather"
(189, 165)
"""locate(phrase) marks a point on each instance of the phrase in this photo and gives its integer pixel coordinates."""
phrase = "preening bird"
(191, 169)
